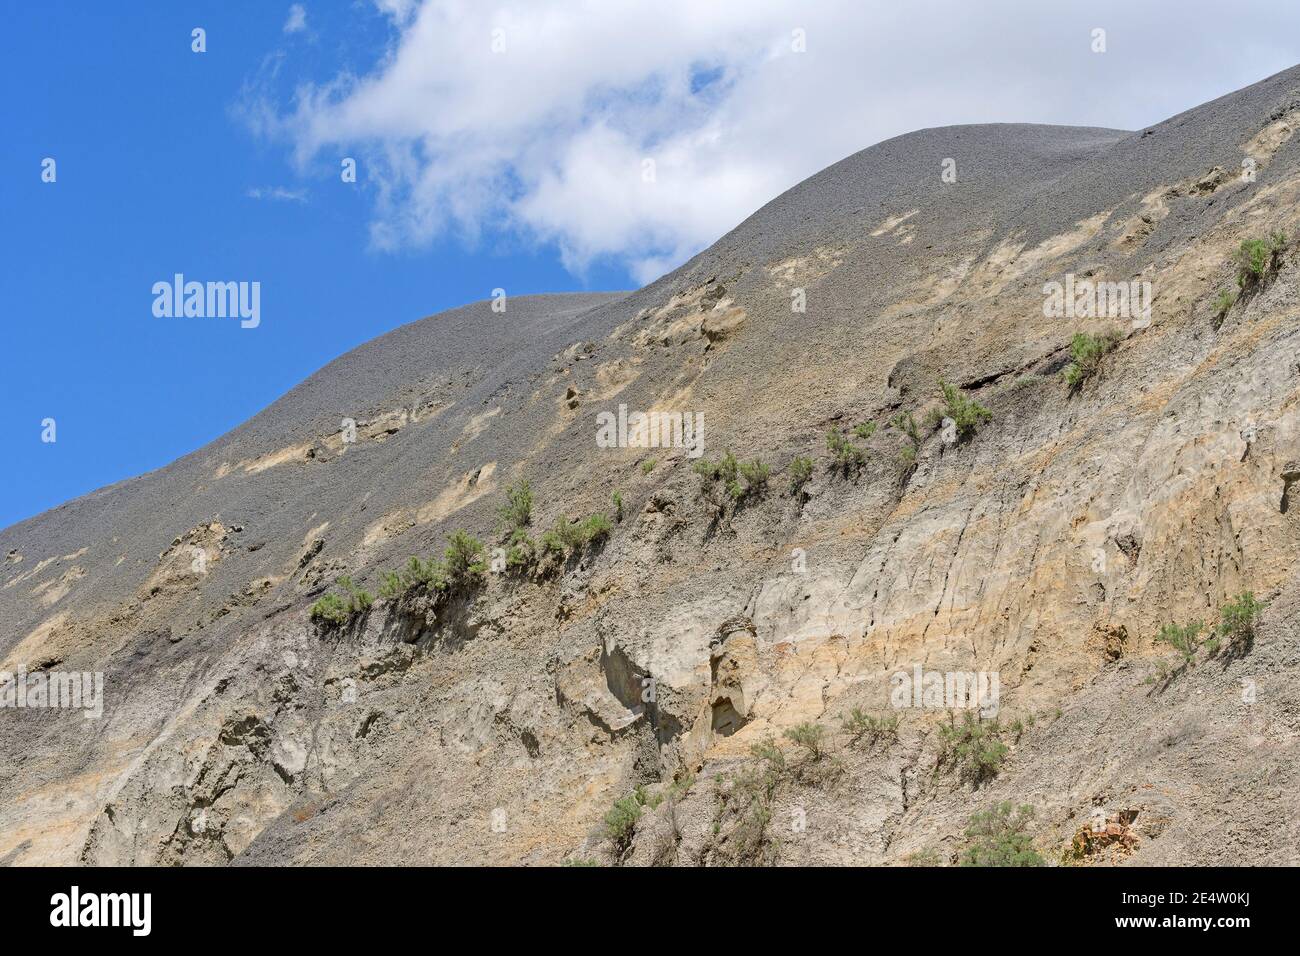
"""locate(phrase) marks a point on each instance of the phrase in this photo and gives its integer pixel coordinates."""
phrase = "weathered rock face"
(1045, 548)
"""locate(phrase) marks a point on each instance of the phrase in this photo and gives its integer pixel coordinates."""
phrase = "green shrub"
(801, 471)
(866, 728)
(974, 746)
(1086, 353)
(521, 550)
(906, 424)
(566, 537)
(739, 480)
(848, 456)
(334, 610)
(1224, 301)
(811, 737)
(648, 466)
(997, 837)
(1257, 258)
(463, 564)
(330, 609)
(967, 413)
(621, 819)
(517, 512)
(865, 431)
(617, 499)
(1184, 639)
(1237, 619)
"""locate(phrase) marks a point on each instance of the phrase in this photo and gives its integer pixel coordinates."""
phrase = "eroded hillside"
(701, 657)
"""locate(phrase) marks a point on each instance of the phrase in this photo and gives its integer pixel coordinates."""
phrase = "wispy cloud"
(297, 21)
(277, 194)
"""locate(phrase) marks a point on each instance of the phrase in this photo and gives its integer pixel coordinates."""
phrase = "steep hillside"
(711, 648)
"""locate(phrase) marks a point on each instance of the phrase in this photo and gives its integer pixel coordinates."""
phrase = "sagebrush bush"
(1183, 638)
(464, 565)
(1086, 353)
(997, 837)
(966, 412)
(740, 480)
(848, 456)
(1257, 258)
(517, 512)
(867, 728)
(974, 746)
(811, 737)
(801, 472)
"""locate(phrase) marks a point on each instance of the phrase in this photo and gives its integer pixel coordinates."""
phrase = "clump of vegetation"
(1257, 259)
(998, 837)
(336, 610)
(617, 500)
(740, 479)
(801, 471)
(1235, 628)
(746, 806)
(622, 817)
(865, 431)
(1224, 301)
(1185, 639)
(580, 861)
(1086, 353)
(966, 412)
(521, 551)
(428, 574)
(648, 466)
(1237, 620)
(866, 729)
(849, 458)
(330, 609)
(811, 737)
(974, 746)
(517, 512)
(567, 537)
(463, 565)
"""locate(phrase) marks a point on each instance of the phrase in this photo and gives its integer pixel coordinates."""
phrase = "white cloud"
(277, 194)
(537, 115)
(297, 21)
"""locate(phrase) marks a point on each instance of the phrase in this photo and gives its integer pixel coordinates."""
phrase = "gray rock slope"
(501, 726)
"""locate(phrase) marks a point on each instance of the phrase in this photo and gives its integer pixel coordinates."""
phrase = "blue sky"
(153, 175)
(499, 144)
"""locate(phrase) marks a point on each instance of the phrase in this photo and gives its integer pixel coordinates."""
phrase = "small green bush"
(1237, 619)
(997, 837)
(974, 746)
(648, 466)
(967, 413)
(866, 728)
(1086, 353)
(517, 512)
(464, 564)
(801, 471)
(335, 610)
(330, 609)
(1257, 258)
(848, 456)
(740, 480)
(810, 736)
(1184, 639)
(865, 431)
(1224, 301)
(621, 819)
(617, 499)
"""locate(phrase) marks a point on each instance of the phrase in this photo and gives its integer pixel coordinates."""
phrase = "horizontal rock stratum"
(701, 659)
